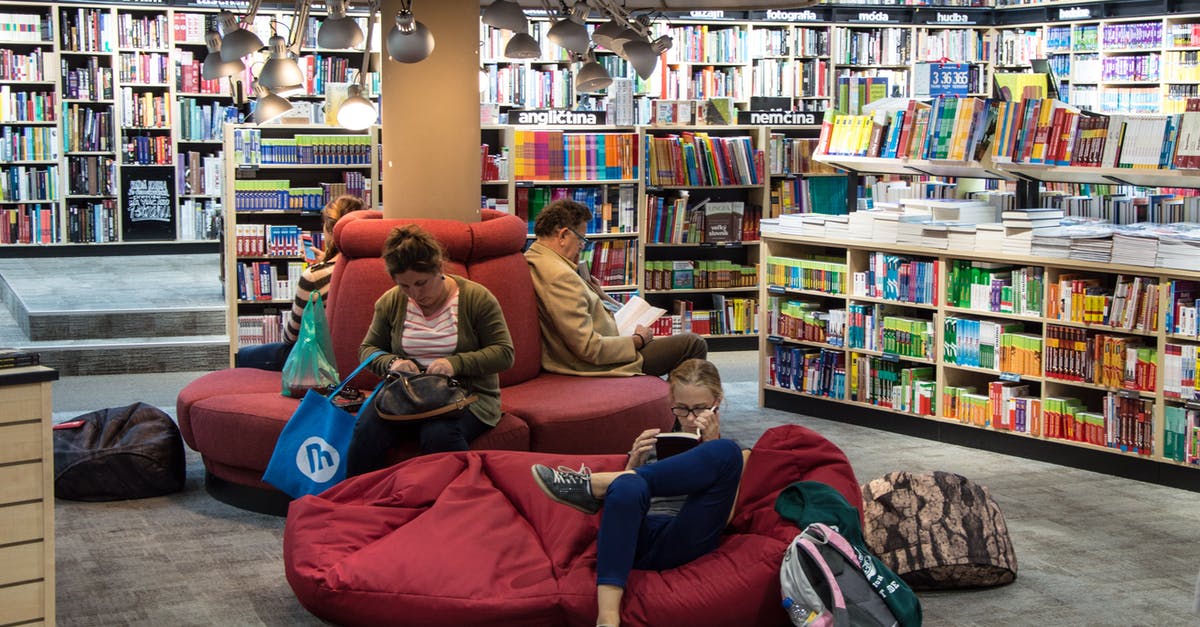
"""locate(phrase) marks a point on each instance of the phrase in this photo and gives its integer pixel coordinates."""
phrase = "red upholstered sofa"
(233, 417)
(458, 539)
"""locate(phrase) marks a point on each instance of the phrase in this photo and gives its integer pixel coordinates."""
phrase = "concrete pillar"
(430, 116)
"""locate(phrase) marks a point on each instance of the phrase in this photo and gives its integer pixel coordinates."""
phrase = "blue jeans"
(263, 356)
(630, 538)
(373, 436)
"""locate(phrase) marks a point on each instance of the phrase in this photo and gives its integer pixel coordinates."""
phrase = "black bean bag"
(119, 453)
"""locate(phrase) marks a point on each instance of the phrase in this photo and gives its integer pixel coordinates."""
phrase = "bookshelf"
(116, 103)
(280, 177)
(701, 227)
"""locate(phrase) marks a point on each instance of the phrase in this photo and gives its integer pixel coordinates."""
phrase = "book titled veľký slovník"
(674, 443)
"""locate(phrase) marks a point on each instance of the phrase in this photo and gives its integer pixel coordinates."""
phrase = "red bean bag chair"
(467, 538)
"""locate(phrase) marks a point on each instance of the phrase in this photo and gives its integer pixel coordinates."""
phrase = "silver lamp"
(505, 14)
(338, 30)
(214, 67)
(268, 106)
(569, 32)
(238, 41)
(522, 46)
(409, 40)
(280, 72)
(643, 56)
(592, 76)
(356, 111)
(605, 34)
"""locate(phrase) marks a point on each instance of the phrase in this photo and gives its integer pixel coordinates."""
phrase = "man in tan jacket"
(579, 335)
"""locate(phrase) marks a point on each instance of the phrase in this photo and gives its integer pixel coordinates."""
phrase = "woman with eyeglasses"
(658, 513)
(315, 278)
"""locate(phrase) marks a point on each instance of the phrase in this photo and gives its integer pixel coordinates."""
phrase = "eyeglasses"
(684, 412)
(583, 239)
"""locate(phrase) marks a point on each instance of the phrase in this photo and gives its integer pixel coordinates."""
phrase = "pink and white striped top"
(428, 338)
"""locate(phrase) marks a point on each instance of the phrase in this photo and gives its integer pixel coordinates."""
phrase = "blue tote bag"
(310, 455)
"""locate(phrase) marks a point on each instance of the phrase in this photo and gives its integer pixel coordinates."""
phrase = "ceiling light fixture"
(522, 46)
(238, 41)
(214, 66)
(409, 40)
(505, 14)
(268, 106)
(592, 76)
(338, 30)
(357, 112)
(569, 32)
(643, 56)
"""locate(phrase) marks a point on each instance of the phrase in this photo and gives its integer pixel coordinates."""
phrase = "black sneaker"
(569, 487)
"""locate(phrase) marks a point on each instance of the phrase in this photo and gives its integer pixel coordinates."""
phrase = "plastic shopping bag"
(311, 365)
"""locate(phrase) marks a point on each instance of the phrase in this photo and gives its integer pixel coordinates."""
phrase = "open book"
(634, 312)
(674, 442)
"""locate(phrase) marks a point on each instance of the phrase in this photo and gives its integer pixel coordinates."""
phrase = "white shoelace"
(563, 474)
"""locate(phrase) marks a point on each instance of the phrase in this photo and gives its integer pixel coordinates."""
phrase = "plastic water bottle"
(798, 614)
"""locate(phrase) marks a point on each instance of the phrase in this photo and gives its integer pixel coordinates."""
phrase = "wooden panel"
(20, 442)
(21, 603)
(22, 482)
(22, 562)
(21, 403)
(21, 523)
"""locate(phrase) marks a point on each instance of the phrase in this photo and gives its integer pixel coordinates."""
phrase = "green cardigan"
(484, 345)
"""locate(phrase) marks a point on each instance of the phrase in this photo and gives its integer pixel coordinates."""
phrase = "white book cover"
(636, 311)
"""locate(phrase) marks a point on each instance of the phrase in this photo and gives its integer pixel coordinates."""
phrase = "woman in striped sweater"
(315, 278)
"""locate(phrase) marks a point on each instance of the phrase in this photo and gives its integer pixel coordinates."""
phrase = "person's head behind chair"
(334, 211)
(562, 227)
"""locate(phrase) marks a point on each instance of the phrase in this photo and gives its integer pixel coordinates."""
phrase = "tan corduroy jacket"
(579, 336)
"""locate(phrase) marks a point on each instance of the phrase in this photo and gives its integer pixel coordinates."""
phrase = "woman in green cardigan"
(438, 323)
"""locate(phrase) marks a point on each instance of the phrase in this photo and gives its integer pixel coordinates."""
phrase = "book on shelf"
(18, 358)
(636, 312)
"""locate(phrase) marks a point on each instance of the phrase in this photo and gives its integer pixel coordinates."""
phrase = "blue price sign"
(949, 79)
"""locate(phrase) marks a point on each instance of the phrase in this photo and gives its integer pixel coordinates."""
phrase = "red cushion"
(460, 538)
(588, 415)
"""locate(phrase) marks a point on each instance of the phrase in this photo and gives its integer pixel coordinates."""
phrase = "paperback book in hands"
(636, 311)
(674, 442)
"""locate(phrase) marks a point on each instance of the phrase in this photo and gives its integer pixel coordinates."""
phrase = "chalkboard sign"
(148, 201)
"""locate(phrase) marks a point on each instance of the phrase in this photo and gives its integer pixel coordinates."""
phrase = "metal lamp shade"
(624, 38)
(214, 67)
(356, 112)
(605, 34)
(592, 77)
(268, 106)
(643, 56)
(570, 34)
(339, 33)
(409, 40)
(237, 41)
(280, 71)
(522, 46)
(505, 14)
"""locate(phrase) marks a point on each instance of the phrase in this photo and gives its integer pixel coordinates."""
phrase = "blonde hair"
(335, 210)
(700, 373)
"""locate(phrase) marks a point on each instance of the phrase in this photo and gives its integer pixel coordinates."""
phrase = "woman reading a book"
(315, 278)
(579, 334)
(658, 513)
(437, 323)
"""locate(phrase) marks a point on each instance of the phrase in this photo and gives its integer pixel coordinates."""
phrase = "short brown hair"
(560, 214)
(335, 210)
(411, 247)
(699, 372)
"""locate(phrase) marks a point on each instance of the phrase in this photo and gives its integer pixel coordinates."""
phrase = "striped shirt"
(315, 278)
(428, 338)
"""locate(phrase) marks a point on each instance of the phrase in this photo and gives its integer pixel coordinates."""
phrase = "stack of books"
(961, 237)
(1091, 242)
(962, 210)
(909, 229)
(18, 358)
(989, 238)
(837, 227)
(1180, 251)
(861, 225)
(884, 227)
(1020, 225)
(1052, 242)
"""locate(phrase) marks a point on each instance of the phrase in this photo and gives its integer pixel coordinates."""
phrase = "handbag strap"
(368, 360)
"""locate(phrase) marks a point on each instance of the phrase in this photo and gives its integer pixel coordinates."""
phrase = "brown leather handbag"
(407, 396)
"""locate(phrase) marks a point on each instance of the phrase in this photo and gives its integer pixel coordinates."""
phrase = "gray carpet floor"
(1091, 549)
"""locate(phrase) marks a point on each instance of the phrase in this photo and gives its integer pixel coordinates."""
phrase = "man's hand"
(642, 336)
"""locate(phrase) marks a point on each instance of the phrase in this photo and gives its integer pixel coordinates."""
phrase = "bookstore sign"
(778, 118)
(557, 117)
(148, 198)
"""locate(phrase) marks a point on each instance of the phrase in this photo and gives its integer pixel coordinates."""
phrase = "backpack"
(827, 582)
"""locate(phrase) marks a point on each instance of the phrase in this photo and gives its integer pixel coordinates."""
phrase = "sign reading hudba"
(557, 117)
